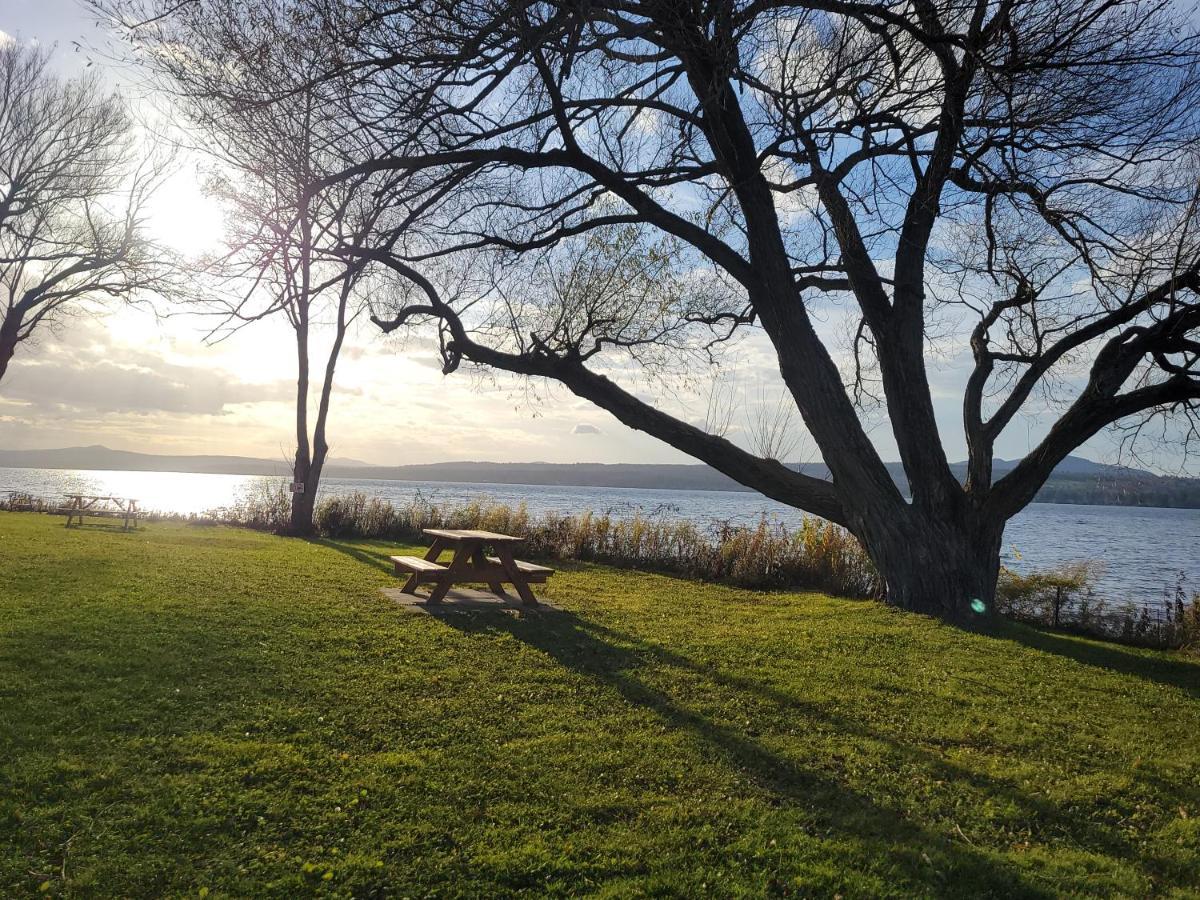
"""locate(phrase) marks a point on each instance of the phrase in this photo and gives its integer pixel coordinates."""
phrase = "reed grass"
(818, 556)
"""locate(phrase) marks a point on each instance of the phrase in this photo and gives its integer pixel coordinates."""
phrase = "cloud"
(584, 428)
(98, 379)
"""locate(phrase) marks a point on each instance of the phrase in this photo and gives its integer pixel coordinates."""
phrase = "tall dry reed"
(817, 556)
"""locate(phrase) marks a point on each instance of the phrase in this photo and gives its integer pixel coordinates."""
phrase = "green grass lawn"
(200, 711)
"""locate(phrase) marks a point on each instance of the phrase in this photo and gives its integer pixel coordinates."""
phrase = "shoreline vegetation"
(817, 556)
(209, 711)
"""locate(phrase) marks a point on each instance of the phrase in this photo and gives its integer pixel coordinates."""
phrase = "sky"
(128, 379)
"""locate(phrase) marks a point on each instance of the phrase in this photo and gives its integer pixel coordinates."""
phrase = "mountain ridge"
(1076, 480)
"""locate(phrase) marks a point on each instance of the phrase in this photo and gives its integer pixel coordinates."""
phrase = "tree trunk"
(945, 566)
(300, 524)
(303, 505)
(8, 345)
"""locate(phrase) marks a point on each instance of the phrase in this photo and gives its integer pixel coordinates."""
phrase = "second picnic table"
(470, 565)
(102, 506)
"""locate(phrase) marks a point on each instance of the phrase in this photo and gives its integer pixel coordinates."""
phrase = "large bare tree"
(1015, 176)
(248, 93)
(281, 263)
(74, 185)
(1026, 165)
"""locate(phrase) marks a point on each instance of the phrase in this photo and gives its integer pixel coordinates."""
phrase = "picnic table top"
(98, 497)
(460, 534)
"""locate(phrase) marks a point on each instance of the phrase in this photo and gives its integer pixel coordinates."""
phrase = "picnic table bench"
(470, 565)
(98, 506)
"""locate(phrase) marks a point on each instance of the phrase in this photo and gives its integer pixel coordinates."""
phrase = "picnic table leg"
(431, 555)
(481, 562)
(515, 576)
(462, 559)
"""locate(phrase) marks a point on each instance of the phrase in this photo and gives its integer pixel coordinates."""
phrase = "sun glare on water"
(185, 493)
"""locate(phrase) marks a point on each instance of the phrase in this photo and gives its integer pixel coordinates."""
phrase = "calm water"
(1143, 549)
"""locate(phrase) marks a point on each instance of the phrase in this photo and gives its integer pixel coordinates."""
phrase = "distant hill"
(348, 463)
(99, 457)
(1076, 480)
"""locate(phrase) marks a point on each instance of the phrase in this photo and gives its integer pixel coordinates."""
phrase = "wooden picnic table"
(470, 565)
(79, 505)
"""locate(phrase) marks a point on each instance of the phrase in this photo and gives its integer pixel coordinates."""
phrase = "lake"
(1143, 549)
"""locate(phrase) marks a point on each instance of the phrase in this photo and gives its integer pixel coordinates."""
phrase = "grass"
(196, 711)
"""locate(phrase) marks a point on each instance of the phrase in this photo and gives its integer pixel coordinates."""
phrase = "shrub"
(1063, 598)
(20, 501)
(1041, 595)
(266, 506)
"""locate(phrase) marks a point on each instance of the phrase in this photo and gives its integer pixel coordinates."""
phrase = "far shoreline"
(336, 473)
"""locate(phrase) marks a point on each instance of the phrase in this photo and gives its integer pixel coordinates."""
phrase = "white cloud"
(585, 428)
(99, 380)
(130, 381)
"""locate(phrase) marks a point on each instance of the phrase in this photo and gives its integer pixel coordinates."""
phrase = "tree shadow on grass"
(615, 657)
(930, 862)
(374, 553)
(108, 717)
(1035, 809)
(1158, 668)
(105, 527)
(378, 553)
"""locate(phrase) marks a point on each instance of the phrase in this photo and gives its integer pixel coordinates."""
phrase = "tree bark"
(304, 505)
(7, 348)
(8, 345)
(943, 565)
(301, 522)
